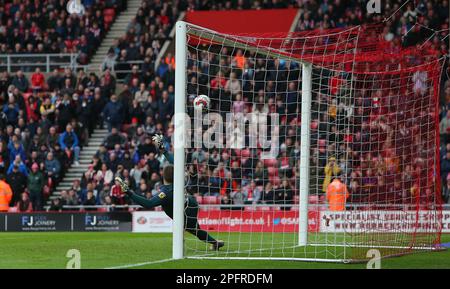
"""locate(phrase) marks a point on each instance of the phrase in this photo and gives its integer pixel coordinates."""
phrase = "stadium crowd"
(46, 121)
(38, 27)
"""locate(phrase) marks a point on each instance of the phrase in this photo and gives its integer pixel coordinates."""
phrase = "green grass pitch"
(105, 250)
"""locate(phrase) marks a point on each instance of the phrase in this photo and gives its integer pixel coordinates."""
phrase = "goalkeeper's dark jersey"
(165, 200)
(165, 197)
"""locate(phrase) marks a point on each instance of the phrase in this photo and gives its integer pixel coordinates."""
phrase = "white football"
(201, 102)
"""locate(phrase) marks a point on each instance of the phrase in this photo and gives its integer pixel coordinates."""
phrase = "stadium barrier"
(261, 219)
(117, 72)
(66, 222)
(267, 219)
(29, 62)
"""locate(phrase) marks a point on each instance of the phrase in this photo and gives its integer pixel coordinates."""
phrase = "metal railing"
(322, 206)
(97, 68)
(29, 62)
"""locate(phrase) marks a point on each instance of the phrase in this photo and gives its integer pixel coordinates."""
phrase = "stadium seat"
(109, 12)
(108, 21)
(273, 172)
(314, 199)
(68, 44)
(270, 162)
(211, 200)
(237, 153)
(276, 180)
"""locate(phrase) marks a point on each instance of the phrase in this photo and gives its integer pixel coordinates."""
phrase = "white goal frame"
(179, 150)
(179, 144)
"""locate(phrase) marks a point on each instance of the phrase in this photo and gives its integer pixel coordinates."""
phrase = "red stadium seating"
(270, 162)
(211, 200)
(273, 172)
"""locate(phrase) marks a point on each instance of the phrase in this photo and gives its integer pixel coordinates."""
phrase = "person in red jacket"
(37, 80)
(117, 195)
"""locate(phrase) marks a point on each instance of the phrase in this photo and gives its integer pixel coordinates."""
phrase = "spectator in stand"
(52, 167)
(68, 140)
(142, 95)
(268, 195)
(237, 197)
(90, 201)
(330, 170)
(11, 111)
(444, 127)
(37, 80)
(445, 167)
(72, 198)
(114, 138)
(18, 182)
(56, 205)
(165, 108)
(65, 110)
(24, 204)
(446, 192)
(105, 175)
(284, 195)
(16, 149)
(20, 81)
(54, 81)
(35, 186)
(20, 164)
(109, 62)
(48, 109)
(117, 196)
(113, 113)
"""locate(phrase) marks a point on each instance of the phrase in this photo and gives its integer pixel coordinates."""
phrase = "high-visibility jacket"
(337, 195)
(5, 196)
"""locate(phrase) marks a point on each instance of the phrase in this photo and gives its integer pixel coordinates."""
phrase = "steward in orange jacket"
(337, 195)
(5, 195)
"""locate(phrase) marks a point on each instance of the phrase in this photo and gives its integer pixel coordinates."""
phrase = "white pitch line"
(140, 264)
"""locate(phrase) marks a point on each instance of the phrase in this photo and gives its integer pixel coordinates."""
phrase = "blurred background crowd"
(46, 120)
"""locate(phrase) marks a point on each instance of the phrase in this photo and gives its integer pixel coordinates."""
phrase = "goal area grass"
(147, 251)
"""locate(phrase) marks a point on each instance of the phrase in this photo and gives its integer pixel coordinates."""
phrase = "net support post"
(304, 153)
(179, 140)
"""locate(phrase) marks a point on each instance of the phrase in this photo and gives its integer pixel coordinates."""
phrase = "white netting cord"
(374, 129)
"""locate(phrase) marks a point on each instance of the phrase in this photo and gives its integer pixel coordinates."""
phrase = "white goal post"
(179, 143)
(343, 111)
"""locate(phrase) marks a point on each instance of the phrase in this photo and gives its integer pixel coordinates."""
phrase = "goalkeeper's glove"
(159, 142)
(123, 185)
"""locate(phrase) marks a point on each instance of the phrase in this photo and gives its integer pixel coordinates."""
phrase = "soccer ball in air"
(201, 102)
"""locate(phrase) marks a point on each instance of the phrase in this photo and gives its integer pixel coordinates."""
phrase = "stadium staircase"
(75, 172)
(117, 30)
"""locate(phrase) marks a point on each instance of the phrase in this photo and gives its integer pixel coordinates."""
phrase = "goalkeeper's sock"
(202, 235)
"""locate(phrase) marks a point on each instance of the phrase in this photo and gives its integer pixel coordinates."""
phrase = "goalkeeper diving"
(165, 200)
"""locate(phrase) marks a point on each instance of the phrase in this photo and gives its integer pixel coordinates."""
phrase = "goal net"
(317, 145)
